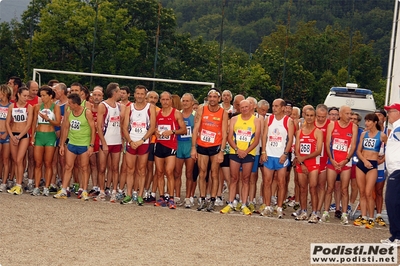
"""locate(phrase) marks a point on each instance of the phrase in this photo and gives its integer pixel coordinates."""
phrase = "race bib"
(369, 143)
(340, 145)
(3, 112)
(305, 148)
(19, 114)
(114, 120)
(188, 132)
(207, 136)
(275, 141)
(75, 125)
(161, 129)
(243, 135)
(138, 127)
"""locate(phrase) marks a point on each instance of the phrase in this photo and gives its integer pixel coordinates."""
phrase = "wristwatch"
(236, 149)
(286, 153)
(143, 139)
(173, 131)
(91, 145)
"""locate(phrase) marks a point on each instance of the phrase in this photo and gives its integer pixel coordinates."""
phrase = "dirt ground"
(46, 231)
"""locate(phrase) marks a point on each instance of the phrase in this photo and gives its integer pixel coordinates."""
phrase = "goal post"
(37, 71)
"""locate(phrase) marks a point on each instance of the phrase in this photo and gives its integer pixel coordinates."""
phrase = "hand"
(193, 154)
(90, 151)
(33, 140)
(3, 136)
(220, 157)
(368, 165)
(304, 169)
(282, 159)
(104, 148)
(263, 158)
(14, 140)
(61, 150)
(241, 154)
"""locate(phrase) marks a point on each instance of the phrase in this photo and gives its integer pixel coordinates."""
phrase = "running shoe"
(279, 212)
(188, 204)
(210, 207)
(93, 193)
(192, 200)
(260, 200)
(75, 188)
(261, 208)
(134, 196)
(85, 196)
(178, 201)
(291, 203)
(360, 221)
(171, 204)
(313, 219)
(35, 192)
(113, 198)
(274, 200)
(251, 207)
(107, 191)
(370, 224)
(379, 220)
(325, 217)
(267, 211)
(245, 210)
(296, 213)
(227, 209)
(296, 206)
(10, 184)
(120, 195)
(60, 195)
(219, 202)
(127, 200)
(338, 214)
(238, 207)
(30, 187)
(150, 199)
(46, 192)
(3, 187)
(160, 202)
(52, 189)
(302, 217)
(388, 242)
(100, 197)
(140, 201)
(225, 187)
(332, 208)
(202, 205)
(79, 195)
(344, 220)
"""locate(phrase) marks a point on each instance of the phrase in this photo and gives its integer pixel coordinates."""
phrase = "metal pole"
(157, 39)
(94, 43)
(285, 55)
(391, 52)
(221, 41)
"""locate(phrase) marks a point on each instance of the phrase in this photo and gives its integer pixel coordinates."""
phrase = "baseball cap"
(381, 111)
(393, 106)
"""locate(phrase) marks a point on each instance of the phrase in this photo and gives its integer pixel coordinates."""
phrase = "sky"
(10, 9)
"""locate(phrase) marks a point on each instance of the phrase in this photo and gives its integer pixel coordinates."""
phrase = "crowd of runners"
(61, 139)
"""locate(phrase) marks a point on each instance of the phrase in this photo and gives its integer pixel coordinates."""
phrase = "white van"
(359, 100)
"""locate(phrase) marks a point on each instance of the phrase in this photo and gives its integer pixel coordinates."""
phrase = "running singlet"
(79, 130)
(112, 128)
(4, 111)
(277, 136)
(34, 101)
(323, 129)
(210, 131)
(165, 123)
(62, 111)
(372, 143)
(20, 115)
(48, 112)
(244, 132)
(341, 141)
(153, 137)
(139, 121)
(189, 122)
(308, 145)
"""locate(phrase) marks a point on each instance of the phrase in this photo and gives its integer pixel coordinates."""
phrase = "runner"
(5, 95)
(243, 138)
(309, 140)
(46, 115)
(140, 118)
(341, 139)
(18, 123)
(169, 124)
(368, 149)
(79, 128)
(211, 123)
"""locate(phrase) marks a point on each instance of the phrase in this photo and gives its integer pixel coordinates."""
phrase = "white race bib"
(207, 136)
(243, 135)
(275, 141)
(340, 145)
(305, 148)
(161, 129)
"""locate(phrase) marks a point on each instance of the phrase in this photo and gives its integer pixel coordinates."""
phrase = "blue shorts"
(77, 150)
(255, 165)
(184, 149)
(381, 176)
(6, 140)
(273, 163)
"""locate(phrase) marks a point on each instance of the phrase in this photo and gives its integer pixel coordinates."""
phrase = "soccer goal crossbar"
(37, 71)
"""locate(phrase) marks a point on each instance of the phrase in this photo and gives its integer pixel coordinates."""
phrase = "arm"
(125, 125)
(28, 122)
(289, 144)
(101, 110)
(231, 142)
(328, 143)
(34, 122)
(64, 131)
(197, 121)
(182, 126)
(264, 138)
(353, 146)
(257, 123)
(90, 120)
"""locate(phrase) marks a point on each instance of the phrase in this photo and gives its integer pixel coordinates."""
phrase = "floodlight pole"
(94, 43)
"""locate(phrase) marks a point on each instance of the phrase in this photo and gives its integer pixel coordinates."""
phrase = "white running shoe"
(219, 202)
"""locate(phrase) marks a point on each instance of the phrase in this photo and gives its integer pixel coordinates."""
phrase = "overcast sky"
(10, 9)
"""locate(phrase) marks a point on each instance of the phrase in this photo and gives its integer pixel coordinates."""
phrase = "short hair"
(20, 90)
(48, 90)
(17, 80)
(77, 84)
(111, 87)
(322, 106)
(98, 87)
(307, 109)
(62, 87)
(228, 91)
(195, 102)
(52, 82)
(262, 103)
(29, 83)
(6, 90)
(141, 87)
(87, 92)
(359, 118)
(148, 93)
(166, 92)
(252, 99)
(298, 109)
(125, 88)
(188, 94)
(75, 98)
(333, 109)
